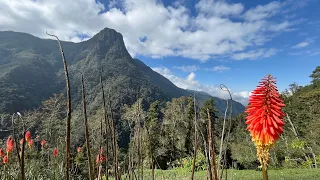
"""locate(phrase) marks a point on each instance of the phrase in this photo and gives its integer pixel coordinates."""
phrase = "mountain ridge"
(23, 58)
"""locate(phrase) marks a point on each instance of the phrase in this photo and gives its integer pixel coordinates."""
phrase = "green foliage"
(298, 144)
(186, 163)
(316, 75)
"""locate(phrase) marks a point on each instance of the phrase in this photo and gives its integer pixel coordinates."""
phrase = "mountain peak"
(108, 34)
(109, 41)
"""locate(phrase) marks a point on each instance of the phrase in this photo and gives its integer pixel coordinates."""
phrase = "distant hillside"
(31, 71)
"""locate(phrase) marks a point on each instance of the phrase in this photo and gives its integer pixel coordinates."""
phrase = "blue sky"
(195, 44)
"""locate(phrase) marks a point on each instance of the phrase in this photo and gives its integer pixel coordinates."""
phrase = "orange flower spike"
(5, 159)
(79, 149)
(264, 116)
(100, 158)
(30, 143)
(55, 152)
(1, 152)
(28, 136)
(43, 142)
(10, 145)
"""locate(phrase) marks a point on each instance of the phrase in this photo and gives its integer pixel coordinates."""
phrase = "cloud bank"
(216, 28)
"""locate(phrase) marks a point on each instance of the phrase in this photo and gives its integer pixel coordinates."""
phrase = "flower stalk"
(264, 119)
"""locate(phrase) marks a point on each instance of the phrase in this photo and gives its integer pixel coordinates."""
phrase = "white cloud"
(220, 68)
(301, 45)
(284, 26)
(219, 8)
(191, 83)
(190, 68)
(169, 30)
(312, 52)
(186, 83)
(254, 54)
(263, 11)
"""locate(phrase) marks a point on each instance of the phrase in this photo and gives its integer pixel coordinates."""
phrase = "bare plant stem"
(228, 133)
(84, 109)
(68, 108)
(106, 127)
(23, 177)
(264, 172)
(195, 138)
(211, 145)
(222, 139)
(16, 143)
(115, 145)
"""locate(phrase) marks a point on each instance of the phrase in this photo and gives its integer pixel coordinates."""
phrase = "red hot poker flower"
(10, 145)
(5, 159)
(100, 157)
(43, 142)
(264, 118)
(1, 152)
(79, 149)
(28, 136)
(55, 152)
(30, 143)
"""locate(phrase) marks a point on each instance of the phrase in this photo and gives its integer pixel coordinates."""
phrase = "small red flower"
(21, 141)
(30, 143)
(43, 142)
(264, 118)
(100, 157)
(55, 152)
(79, 149)
(28, 136)
(5, 159)
(10, 144)
(1, 152)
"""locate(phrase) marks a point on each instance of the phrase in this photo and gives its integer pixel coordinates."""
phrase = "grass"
(281, 174)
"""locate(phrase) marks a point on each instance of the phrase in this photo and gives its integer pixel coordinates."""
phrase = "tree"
(316, 75)
(153, 131)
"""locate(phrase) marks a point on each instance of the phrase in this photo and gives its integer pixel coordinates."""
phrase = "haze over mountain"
(31, 70)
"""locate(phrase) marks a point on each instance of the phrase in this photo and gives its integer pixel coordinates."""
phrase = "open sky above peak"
(195, 44)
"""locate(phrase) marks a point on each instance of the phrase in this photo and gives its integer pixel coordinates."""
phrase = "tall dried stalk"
(195, 138)
(211, 146)
(68, 108)
(84, 109)
(222, 135)
(23, 177)
(16, 144)
(106, 126)
(228, 133)
(115, 145)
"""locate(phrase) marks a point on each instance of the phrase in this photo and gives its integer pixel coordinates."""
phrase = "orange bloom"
(28, 136)
(21, 141)
(30, 143)
(10, 144)
(264, 118)
(55, 152)
(43, 142)
(79, 149)
(5, 159)
(100, 157)
(1, 152)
